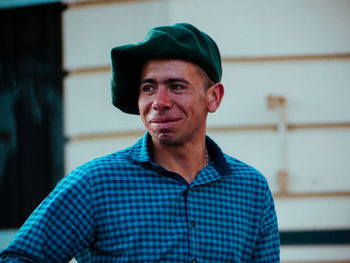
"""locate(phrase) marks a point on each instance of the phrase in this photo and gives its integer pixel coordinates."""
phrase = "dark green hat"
(180, 41)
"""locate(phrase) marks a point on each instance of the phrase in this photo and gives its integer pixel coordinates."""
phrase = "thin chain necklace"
(207, 155)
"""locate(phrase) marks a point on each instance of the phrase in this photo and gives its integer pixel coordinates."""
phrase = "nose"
(162, 100)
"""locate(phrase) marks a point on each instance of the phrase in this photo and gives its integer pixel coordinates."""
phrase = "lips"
(164, 122)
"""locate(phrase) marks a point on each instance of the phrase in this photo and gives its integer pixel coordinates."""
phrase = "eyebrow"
(170, 80)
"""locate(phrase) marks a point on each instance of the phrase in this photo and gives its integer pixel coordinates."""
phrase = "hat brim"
(125, 93)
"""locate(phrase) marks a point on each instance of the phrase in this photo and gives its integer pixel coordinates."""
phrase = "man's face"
(173, 101)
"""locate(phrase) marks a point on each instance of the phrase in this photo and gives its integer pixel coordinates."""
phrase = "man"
(174, 196)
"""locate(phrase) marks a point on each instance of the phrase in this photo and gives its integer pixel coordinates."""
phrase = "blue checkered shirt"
(124, 207)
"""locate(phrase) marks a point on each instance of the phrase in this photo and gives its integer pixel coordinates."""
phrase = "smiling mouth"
(164, 122)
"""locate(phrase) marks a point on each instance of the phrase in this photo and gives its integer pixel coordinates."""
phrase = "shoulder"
(234, 169)
(245, 173)
(247, 184)
(113, 168)
(102, 163)
(110, 164)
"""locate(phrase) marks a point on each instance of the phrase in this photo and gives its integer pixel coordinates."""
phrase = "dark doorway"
(31, 135)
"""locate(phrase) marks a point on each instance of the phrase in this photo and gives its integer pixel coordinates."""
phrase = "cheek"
(141, 103)
(143, 115)
(144, 106)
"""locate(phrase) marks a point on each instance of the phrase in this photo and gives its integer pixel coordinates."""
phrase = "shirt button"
(194, 260)
(193, 224)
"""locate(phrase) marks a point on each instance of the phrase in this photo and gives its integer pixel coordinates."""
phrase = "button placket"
(192, 220)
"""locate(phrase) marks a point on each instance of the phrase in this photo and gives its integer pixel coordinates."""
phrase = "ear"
(214, 96)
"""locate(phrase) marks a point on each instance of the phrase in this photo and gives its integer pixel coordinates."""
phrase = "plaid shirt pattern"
(124, 207)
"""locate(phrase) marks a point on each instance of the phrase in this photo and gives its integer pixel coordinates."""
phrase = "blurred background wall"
(286, 110)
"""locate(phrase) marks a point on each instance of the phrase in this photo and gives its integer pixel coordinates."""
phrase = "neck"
(186, 160)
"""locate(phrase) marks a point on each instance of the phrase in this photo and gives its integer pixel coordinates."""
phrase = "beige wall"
(297, 49)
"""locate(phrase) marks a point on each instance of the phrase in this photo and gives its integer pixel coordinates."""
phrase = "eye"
(176, 87)
(147, 88)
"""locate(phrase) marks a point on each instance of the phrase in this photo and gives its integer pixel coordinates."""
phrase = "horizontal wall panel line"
(317, 261)
(88, 3)
(291, 195)
(89, 70)
(228, 128)
(107, 135)
(332, 56)
(290, 126)
(107, 68)
(318, 125)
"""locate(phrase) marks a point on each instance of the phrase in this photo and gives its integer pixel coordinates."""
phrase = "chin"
(168, 140)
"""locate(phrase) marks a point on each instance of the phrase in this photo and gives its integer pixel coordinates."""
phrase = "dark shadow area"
(31, 135)
(316, 237)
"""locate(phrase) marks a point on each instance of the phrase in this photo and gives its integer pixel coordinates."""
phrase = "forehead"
(170, 67)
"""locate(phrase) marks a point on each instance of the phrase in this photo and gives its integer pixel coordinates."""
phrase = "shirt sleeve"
(267, 245)
(60, 227)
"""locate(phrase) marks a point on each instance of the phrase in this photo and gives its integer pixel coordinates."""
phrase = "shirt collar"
(218, 157)
(140, 152)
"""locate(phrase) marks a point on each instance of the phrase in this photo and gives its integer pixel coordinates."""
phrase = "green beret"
(180, 41)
